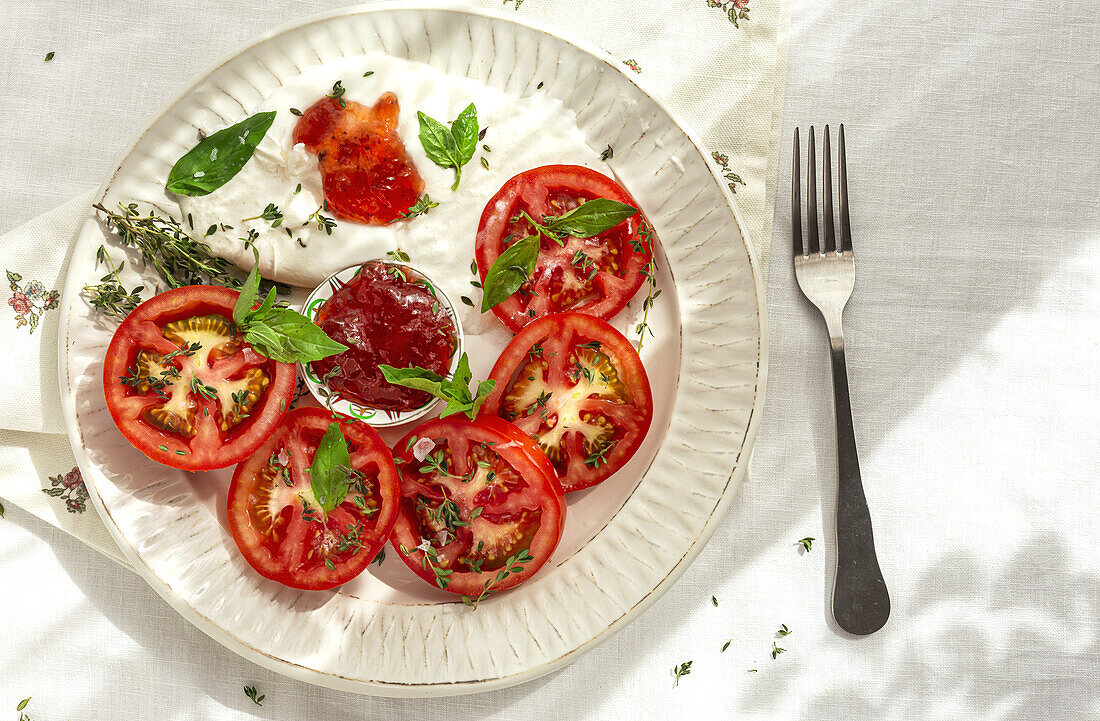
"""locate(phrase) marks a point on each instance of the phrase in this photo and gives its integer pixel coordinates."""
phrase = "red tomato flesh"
(483, 495)
(577, 386)
(271, 492)
(367, 174)
(597, 275)
(185, 389)
(384, 315)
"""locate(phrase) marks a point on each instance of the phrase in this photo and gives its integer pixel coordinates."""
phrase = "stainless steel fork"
(826, 274)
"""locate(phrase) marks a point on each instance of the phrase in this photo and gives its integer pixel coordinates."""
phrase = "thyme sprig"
(422, 205)
(250, 692)
(512, 565)
(177, 257)
(649, 270)
(271, 214)
(430, 561)
(680, 671)
(323, 222)
(109, 295)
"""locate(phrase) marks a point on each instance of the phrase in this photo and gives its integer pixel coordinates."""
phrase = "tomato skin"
(289, 560)
(515, 450)
(559, 336)
(537, 191)
(210, 448)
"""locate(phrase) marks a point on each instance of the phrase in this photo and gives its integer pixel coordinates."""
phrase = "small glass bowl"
(376, 417)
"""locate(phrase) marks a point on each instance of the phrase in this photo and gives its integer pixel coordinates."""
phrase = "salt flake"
(422, 448)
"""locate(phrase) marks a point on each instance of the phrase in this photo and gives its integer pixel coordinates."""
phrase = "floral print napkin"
(37, 469)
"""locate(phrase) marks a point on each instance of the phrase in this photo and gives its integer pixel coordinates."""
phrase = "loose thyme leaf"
(49, 56)
(217, 158)
(328, 474)
(807, 542)
(509, 271)
(337, 93)
(592, 218)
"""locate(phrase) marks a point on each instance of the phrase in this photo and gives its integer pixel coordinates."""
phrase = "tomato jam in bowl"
(386, 313)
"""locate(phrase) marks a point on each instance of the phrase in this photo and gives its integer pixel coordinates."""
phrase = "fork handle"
(861, 603)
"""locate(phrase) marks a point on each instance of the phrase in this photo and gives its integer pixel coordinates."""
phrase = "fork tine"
(845, 225)
(811, 199)
(796, 201)
(827, 199)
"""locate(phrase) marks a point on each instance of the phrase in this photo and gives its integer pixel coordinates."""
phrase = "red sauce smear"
(367, 174)
(384, 318)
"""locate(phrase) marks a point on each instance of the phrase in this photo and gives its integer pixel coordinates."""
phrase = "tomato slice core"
(578, 388)
(480, 499)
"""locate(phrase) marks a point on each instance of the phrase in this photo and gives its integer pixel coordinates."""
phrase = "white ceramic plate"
(626, 541)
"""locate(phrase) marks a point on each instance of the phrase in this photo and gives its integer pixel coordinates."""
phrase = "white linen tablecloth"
(973, 348)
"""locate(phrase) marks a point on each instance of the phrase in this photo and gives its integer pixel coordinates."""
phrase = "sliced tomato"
(275, 518)
(597, 275)
(577, 386)
(483, 501)
(183, 386)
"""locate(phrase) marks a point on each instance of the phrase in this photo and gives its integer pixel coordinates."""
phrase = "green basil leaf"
(464, 129)
(456, 391)
(509, 270)
(267, 343)
(484, 390)
(592, 218)
(416, 378)
(249, 292)
(300, 336)
(328, 476)
(266, 306)
(439, 144)
(214, 161)
(462, 375)
(456, 406)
